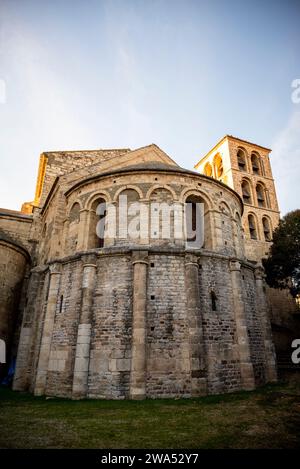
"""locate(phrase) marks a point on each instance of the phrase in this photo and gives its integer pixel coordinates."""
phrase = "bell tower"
(246, 168)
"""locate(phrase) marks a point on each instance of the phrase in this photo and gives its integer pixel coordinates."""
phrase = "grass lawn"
(266, 418)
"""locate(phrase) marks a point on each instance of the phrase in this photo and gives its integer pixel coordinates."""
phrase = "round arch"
(242, 154)
(247, 194)
(267, 227)
(261, 193)
(101, 194)
(257, 164)
(71, 206)
(253, 226)
(127, 187)
(208, 170)
(225, 208)
(161, 186)
(218, 166)
(198, 193)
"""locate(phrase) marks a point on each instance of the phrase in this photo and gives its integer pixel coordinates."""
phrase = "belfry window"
(241, 160)
(218, 164)
(256, 164)
(260, 193)
(267, 229)
(246, 192)
(208, 170)
(252, 227)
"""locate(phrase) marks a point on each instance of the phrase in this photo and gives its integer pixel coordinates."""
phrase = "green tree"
(283, 264)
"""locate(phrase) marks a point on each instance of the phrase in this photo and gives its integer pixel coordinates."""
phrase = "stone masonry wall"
(168, 355)
(61, 359)
(168, 364)
(111, 329)
(16, 227)
(219, 325)
(254, 327)
(12, 270)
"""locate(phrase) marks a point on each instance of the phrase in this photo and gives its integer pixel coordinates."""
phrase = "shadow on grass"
(267, 417)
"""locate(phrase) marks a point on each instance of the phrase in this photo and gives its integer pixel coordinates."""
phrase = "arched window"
(267, 228)
(197, 222)
(96, 224)
(208, 170)
(256, 163)
(241, 158)
(74, 213)
(261, 195)
(246, 192)
(252, 227)
(218, 165)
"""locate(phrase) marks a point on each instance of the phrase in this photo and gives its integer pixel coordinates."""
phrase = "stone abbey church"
(115, 318)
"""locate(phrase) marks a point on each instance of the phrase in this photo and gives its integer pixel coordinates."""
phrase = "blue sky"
(126, 73)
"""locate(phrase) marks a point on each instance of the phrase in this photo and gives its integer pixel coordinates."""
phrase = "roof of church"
(150, 166)
(14, 213)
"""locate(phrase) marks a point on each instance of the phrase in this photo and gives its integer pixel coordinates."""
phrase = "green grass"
(266, 418)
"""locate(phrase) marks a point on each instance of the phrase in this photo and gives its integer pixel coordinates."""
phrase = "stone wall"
(182, 346)
(254, 326)
(58, 230)
(223, 365)
(57, 163)
(16, 227)
(110, 352)
(12, 270)
(15, 249)
(168, 354)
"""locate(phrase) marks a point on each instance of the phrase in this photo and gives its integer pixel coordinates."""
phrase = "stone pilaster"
(217, 240)
(21, 376)
(42, 367)
(139, 308)
(65, 234)
(261, 301)
(246, 367)
(144, 221)
(196, 339)
(112, 228)
(83, 230)
(82, 354)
